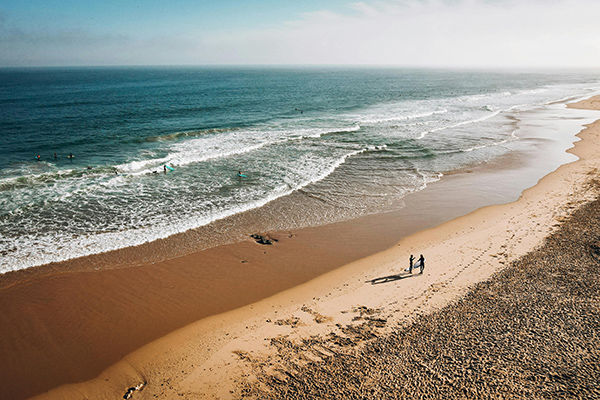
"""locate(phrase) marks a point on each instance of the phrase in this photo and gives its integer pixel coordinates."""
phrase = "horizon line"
(283, 65)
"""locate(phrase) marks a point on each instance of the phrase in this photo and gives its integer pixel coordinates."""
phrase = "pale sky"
(433, 33)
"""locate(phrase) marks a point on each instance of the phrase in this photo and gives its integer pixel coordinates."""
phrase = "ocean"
(355, 139)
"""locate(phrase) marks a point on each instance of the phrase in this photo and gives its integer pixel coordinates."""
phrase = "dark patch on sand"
(263, 239)
(291, 321)
(319, 318)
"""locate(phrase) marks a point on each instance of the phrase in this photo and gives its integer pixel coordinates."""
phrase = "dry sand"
(529, 332)
(217, 356)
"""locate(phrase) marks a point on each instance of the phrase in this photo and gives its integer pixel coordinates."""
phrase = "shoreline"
(236, 227)
(527, 332)
(287, 252)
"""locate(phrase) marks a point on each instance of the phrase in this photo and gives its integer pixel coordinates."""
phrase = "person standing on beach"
(422, 263)
(411, 260)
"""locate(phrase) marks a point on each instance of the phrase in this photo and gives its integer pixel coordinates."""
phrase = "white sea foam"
(458, 124)
(230, 144)
(317, 152)
(397, 118)
(47, 251)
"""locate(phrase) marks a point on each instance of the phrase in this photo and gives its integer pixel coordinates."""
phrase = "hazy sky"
(474, 33)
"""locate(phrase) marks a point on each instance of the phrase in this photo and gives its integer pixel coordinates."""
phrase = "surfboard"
(242, 176)
(170, 168)
(416, 265)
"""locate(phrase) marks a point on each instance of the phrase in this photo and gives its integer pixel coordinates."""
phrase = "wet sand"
(63, 327)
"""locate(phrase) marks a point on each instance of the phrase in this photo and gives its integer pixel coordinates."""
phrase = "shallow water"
(357, 140)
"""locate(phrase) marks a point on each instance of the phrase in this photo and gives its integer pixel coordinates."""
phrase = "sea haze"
(357, 139)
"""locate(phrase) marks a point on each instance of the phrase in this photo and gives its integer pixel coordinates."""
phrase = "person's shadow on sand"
(390, 278)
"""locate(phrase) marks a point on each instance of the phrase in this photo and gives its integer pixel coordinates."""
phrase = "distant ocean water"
(357, 138)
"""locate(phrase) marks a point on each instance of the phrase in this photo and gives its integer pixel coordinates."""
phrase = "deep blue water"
(367, 136)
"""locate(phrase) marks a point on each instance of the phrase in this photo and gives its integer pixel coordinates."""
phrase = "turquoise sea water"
(356, 138)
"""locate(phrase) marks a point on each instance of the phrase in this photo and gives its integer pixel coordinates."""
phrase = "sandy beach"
(233, 320)
(528, 332)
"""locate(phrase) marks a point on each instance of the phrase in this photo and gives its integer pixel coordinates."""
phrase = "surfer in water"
(165, 168)
(38, 157)
(70, 156)
(422, 263)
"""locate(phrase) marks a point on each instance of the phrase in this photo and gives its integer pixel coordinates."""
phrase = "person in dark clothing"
(411, 260)
(422, 263)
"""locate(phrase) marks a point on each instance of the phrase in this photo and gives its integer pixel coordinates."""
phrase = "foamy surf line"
(463, 123)
(193, 150)
(322, 156)
(400, 118)
(105, 242)
(523, 107)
